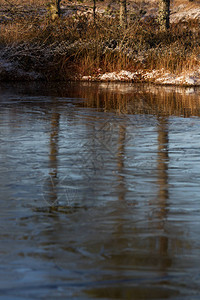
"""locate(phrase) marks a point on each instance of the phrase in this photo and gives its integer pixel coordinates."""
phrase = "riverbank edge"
(158, 77)
(9, 73)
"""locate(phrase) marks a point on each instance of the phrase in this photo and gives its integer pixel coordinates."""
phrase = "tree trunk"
(164, 13)
(94, 10)
(123, 14)
(58, 7)
(54, 9)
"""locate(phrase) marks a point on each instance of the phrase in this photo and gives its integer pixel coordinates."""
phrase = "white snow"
(120, 76)
(154, 76)
(192, 13)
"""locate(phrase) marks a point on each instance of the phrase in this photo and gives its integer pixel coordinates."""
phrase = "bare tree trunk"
(94, 10)
(58, 6)
(164, 14)
(54, 9)
(123, 14)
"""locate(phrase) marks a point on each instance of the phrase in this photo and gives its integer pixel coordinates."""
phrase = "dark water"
(99, 192)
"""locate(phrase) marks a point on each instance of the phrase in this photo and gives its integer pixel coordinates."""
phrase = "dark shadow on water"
(131, 292)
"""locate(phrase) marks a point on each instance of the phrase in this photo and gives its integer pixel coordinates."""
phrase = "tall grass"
(74, 45)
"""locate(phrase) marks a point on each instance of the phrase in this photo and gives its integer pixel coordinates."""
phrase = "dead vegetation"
(73, 45)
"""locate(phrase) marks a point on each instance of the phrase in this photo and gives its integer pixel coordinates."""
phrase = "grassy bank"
(74, 46)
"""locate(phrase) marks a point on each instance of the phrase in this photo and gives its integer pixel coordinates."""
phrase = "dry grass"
(74, 45)
(22, 2)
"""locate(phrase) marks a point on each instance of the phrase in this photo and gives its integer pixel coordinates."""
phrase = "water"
(99, 192)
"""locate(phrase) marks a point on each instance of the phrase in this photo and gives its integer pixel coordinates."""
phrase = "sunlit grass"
(74, 45)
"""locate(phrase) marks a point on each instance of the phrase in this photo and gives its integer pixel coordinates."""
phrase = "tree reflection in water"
(137, 237)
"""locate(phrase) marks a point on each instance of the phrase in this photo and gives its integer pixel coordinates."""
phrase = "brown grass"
(22, 2)
(75, 45)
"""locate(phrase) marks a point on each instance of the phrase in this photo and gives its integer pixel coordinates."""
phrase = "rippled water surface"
(99, 192)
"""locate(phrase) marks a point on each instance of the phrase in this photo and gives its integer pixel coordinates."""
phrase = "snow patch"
(186, 14)
(155, 76)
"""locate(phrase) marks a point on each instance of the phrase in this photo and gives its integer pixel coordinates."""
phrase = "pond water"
(99, 192)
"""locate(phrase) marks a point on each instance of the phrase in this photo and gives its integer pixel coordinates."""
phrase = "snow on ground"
(154, 76)
(191, 13)
(185, 79)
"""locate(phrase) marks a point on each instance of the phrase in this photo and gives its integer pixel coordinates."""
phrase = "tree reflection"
(163, 159)
(121, 153)
(53, 157)
(120, 163)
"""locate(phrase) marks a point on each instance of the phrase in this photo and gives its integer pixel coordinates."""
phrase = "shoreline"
(9, 72)
(157, 77)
